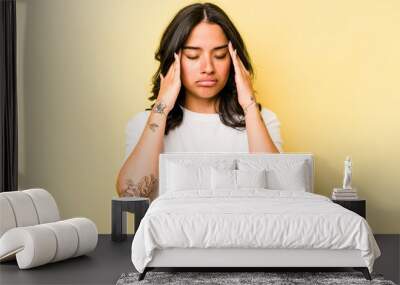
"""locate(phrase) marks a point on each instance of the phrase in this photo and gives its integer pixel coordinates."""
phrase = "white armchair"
(32, 233)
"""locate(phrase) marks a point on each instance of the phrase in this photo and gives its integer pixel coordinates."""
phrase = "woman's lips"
(207, 83)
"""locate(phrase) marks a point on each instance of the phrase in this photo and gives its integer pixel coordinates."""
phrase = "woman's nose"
(207, 65)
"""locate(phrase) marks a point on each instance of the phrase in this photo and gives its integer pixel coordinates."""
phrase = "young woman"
(204, 100)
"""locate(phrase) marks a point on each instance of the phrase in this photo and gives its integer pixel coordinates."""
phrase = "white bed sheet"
(250, 218)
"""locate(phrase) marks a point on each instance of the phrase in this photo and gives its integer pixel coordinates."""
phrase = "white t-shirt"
(200, 132)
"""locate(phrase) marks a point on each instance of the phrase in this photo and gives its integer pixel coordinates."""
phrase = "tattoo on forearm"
(252, 103)
(159, 107)
(142, 189)
(153, 126)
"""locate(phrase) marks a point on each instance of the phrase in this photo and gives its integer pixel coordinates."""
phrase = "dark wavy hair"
(173, 39)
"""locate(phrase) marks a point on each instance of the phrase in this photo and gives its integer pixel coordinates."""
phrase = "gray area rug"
(225, 278)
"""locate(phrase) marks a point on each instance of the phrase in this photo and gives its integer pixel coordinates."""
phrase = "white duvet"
(251, 218)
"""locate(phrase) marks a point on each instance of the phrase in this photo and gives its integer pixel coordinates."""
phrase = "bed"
(242, 210)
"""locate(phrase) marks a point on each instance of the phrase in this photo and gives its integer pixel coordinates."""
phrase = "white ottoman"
(31, 230)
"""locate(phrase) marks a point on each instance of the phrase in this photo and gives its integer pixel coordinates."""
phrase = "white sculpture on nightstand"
(347, 174)
(346, 192)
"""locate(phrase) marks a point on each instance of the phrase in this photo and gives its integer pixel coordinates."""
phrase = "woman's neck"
(201, 105)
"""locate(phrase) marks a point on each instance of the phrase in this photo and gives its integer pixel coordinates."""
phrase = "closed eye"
(217, 57)
(221, 56)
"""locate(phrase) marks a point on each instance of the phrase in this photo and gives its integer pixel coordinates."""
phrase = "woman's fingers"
(237, 62)
(171, 70)
(233, 56)
(178, 64)
(171, 83)
(242, 66)
(175, 68)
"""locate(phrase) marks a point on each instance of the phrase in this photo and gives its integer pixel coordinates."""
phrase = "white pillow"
(184, 177)
(293, 178)
(187, 174)
(251, 178)
(223, 178)
(281, 175)
(236, 179)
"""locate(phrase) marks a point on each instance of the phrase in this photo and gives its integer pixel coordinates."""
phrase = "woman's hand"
(171, 84)
(242, 79)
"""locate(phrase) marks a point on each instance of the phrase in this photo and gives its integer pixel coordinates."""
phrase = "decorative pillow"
(183, 177)
(223, 178)
(281, 175)
(251, 178)
(236, 179)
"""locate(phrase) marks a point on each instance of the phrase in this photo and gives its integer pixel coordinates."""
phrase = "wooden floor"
(111, 259)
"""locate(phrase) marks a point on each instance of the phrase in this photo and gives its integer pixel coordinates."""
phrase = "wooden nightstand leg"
(118, 221)
(139, 210)
(138, 217)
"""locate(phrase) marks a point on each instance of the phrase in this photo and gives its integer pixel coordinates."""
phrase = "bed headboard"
(210, 157)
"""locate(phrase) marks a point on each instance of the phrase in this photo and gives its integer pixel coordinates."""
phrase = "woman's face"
(205, 56)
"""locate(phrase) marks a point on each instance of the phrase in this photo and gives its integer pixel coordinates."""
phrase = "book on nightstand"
(344, 194)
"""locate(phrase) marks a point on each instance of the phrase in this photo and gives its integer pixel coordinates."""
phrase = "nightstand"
(119, 206)
(358, 206)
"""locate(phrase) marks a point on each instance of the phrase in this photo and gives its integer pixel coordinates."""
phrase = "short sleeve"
(273, 126)
(134, 130)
